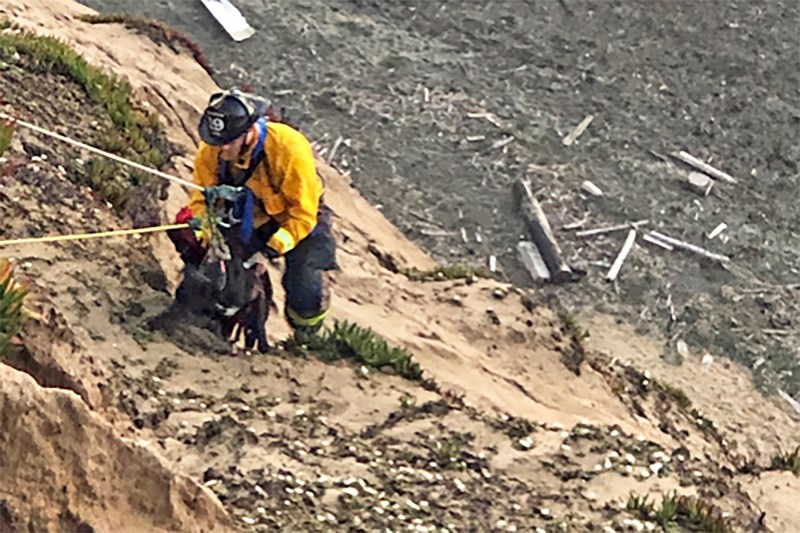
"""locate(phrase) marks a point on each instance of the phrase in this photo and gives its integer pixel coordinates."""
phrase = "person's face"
(231, 151)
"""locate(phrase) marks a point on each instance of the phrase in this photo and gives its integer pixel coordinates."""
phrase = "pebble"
(614, 433)
(261, 492)
(271, 414)
(412, 505)
(176, 401)
(460, 485)
(203, 406)
(500, 524)
(609, 529)
(350, 491)
(247, 520)
(526, 443)
(184, 424)
(566, 447)
(633, 524)
(544, 511)
(162, 392)
(607, 464)
(630, 459)
(192, 401)
(261, 510)
(656, 467)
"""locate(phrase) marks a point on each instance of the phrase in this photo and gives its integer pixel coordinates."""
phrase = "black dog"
(230, 296)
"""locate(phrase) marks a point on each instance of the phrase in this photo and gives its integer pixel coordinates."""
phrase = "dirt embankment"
(508, 439)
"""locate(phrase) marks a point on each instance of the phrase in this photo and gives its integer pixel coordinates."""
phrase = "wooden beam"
(541, 234)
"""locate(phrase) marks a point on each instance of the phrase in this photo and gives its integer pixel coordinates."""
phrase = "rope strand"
(97, 151)
(84, 236)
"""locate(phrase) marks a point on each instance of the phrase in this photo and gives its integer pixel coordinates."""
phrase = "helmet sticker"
(216, 123)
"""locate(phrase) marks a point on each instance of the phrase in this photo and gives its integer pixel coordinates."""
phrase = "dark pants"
(307, 288)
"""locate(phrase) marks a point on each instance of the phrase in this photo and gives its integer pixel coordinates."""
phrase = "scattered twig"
(690, 247)
(610, 229)
(653, 240)
(425, 219)
(623, 254)
(503, 142)
(590, 188)
(486, 116)
(578, 131)
(716, 231)
(705, 167)
(335, 147)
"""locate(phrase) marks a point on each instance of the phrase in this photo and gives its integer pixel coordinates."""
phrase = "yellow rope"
(82, 236)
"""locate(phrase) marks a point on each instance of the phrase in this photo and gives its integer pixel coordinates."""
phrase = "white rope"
(97, 151)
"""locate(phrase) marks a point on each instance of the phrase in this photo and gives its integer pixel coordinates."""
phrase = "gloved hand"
(221, 192)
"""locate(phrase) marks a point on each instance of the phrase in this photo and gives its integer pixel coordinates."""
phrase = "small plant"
(156, 31)
(678, 395)
(12, 314)
(134, 135)
(407, 401)
(573, 355)
(6, 134)
(446, 452)
(446, 273)
(688, 513)
(351, 341)
(789, 461)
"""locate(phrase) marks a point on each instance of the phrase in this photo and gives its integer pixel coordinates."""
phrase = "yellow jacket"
(290, 193)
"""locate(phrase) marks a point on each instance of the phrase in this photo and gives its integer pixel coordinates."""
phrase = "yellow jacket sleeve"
(205, 175)
(302, 189)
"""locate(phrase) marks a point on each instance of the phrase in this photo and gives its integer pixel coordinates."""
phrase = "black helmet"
(230, 114)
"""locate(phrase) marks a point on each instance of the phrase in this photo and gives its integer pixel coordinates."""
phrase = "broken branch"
(610, 229)
(578, 131)
(623, 254)
(690, 247)
(705, 167)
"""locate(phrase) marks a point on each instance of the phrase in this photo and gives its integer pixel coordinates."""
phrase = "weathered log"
(541, 234)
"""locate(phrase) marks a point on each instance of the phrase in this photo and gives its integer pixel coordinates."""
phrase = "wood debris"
(716, 231)
(610, 229)
(487, 116)
(623, 254)
(653, 240)
(578, 131)
(532, 260)
(590, 188)
(705, 167)
(335, 147)
(503, 142)
(689, 247)
(541, 234)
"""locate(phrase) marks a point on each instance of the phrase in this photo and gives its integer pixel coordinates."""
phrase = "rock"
(699, 183)
(63, 468)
